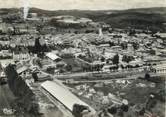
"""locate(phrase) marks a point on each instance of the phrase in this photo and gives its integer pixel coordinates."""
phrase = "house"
(116, 48)
(5, 54)
(162, 35)
(161, 68)
(106, 68)
(136, 63)
(109, 55)
(2, 74)
(22, 70)
(105, 100)
(104, 45)
(130, 47)
(21, 56)
(162, 51)
(6, 62)
(43, 77)
(114, 99)
(152, 60)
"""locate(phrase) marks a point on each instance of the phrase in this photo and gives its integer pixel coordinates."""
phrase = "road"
(129, 77)
(101, 80)
(128, 74)
(98, 74)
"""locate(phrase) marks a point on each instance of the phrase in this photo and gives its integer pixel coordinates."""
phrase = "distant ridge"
(161, 10)
(141, 18)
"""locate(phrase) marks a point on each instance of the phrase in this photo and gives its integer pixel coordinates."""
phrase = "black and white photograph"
(82, 58)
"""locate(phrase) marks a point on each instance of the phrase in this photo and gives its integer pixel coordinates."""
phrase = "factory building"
(66, 98)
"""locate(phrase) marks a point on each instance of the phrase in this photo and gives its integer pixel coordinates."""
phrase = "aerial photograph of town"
(82, 58)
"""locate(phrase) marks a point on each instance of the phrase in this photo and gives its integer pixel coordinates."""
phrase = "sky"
(83, 4)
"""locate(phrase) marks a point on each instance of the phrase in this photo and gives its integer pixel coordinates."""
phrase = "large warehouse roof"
(63, 95)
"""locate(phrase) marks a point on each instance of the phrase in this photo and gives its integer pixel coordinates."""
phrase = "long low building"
(65, 97)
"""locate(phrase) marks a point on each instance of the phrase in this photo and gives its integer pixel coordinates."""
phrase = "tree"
(69, 68)
(102, 59)
(142, 111)
(132, 32)
(35, 77)
(115, 59)
(45, 48)
(78, 109)
(1, 68)
(123, 45)
(111, 44)
(125, 108)
(21, 90)
(112, 110)
(39, 28)
(135, 46)
(151, 102)
(127, 59)
(152, 52)
(147, 76)
(38, 62)
(98, 67)
(37, 47)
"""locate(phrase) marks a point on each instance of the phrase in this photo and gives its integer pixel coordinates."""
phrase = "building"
(116, 48)
(161, 68)
(130, 48)
(1, 21)
(65, 97)
(162, 35)
(53, 56)
(5, 54)
(21, 56)
(6, 62)
(106, 68)
(150, 61)
(3, 27)
(32, 15)
(43, 77)
(107, 45)
(162, 52)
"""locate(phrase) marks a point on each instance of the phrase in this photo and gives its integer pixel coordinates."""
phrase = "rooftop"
(63, 95)
(52, 56)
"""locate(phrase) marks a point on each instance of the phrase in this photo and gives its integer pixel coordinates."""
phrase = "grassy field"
(137, 92)
(6, 98)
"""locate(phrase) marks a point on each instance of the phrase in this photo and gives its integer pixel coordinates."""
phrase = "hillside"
(153, 18)
(138, 20)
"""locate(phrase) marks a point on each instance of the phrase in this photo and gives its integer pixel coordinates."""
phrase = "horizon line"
(81, 9)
